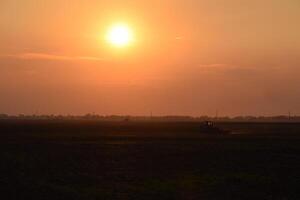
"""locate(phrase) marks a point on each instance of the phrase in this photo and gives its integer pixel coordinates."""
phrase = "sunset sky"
(185, 57)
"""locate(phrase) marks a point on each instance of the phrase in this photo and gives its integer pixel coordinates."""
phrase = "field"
(65, 159)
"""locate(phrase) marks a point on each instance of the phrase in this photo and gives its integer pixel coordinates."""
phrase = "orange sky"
(190, 57)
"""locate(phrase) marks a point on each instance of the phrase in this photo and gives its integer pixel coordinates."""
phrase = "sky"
(189, 57)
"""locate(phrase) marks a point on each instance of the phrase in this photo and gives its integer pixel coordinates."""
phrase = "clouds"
(190, 57)
(47, 56)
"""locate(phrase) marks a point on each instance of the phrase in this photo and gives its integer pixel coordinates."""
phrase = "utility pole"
(217, 114)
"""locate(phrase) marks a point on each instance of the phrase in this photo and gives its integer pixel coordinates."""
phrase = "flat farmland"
(148, 160)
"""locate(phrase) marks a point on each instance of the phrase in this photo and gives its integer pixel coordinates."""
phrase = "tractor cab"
(209, 124)
(209, 127)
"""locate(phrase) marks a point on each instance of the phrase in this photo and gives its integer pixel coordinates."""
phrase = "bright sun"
(119, 35)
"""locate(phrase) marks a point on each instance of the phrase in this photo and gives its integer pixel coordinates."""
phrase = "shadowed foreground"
(159, 163)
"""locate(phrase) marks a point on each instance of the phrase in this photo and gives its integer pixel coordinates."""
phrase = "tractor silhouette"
(208, 127)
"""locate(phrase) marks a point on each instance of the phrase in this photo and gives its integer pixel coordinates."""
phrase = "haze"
(190, 57)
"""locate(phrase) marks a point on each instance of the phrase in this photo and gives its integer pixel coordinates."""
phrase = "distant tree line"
(280, 118)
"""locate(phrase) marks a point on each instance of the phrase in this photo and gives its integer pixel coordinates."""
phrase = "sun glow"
(120, 35)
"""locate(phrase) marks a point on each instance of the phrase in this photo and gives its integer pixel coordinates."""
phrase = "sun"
(119, 35)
